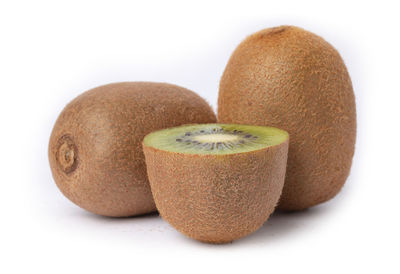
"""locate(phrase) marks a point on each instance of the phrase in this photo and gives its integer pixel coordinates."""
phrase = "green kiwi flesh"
(215, 138)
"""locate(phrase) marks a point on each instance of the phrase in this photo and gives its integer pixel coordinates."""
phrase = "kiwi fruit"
(216, 182)
(293, 79)
(95, 148)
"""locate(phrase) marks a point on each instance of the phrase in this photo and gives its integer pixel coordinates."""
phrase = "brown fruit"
(216, 182)
(290, 78)
(95, 149)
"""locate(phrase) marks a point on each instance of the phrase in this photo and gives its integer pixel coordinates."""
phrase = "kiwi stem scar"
(67, 154)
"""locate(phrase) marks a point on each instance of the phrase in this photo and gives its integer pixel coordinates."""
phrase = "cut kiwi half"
(216, 182)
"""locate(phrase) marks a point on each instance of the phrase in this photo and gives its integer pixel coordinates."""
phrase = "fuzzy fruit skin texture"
(293, 79)
(217, 198)
(95, 149)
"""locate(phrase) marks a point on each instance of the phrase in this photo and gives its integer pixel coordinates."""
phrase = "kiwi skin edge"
(292, 79)
(216, 198)
(95, 149)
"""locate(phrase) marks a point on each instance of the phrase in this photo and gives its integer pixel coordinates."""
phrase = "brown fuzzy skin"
(95, 149)
(217, 198)
(292, 79)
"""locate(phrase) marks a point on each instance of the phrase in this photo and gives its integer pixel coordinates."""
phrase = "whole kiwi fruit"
(293, 79)
(95, 148)
(216, 182)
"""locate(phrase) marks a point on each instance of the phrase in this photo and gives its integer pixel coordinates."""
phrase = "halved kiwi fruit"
(216, 182)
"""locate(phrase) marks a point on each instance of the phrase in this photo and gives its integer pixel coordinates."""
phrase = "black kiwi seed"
(188, 133)
(247, 136)
(179, 140)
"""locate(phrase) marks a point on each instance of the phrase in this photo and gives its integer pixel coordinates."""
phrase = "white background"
(51, 51)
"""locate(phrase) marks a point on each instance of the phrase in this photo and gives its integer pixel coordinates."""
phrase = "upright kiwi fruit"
(216, 182)
(293, 79)
(95, 149)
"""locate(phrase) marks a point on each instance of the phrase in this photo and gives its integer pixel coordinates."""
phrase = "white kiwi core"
(214, 138)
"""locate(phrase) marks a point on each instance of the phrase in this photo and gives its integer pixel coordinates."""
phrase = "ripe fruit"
(216, 182)
(293, 79)
(95, 148)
